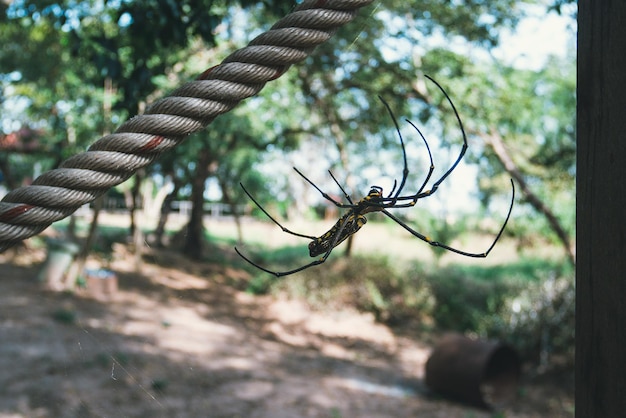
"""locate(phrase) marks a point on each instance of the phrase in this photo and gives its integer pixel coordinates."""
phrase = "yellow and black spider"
(375, 201)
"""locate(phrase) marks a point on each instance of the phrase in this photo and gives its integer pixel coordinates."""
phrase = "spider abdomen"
(348, 224)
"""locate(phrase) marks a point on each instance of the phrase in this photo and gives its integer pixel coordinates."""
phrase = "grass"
(524, 270)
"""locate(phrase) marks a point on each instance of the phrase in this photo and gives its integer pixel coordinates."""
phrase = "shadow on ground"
(180, 340)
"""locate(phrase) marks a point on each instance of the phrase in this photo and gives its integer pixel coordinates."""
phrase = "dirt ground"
(180, 340)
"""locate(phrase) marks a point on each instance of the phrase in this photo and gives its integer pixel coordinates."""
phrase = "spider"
(375, 201)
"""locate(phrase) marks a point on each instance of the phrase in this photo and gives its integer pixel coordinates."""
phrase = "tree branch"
(495, 142)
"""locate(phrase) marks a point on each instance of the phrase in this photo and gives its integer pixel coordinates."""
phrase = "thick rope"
(114, 158)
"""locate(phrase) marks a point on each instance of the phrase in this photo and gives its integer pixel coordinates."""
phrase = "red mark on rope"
(15, 212)
(152, 144)
(279, 72)
(206, 73)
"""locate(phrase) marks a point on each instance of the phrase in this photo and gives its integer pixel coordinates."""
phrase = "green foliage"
(515, 302)
(461, 301)
(59, 58)
(130, 42)
(260, 284)
(66, 316)
(524, 271)
(371, 284)
(539, 320)
(330, 97)
(107, 236)
(529, 303)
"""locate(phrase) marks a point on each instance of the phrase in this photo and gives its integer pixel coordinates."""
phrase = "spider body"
(354, 219)
(348, 224)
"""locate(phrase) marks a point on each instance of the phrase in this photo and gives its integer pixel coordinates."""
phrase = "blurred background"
(72, 71)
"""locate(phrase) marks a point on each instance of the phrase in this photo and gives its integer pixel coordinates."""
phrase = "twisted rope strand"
(114, 158)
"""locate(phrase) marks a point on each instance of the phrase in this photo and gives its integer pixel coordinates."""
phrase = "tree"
(113, 47)
(526, 121)
(341, 81)
(331, 103)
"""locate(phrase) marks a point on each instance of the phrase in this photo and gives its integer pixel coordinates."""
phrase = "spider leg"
(436, 185)
(405, 170)
(340, 187)
(431, 169)
(452, 249)
(395, 184)
(390, 201)
(420, 193)
(325, 195)
(283, 273)
(274, 220)
(316, 262)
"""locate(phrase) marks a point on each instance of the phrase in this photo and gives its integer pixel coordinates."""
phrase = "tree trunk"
(166, 209)
(194, 239)
(77, 267)
(233, 208)
(5, 170)
(132, 202)
(601, 199)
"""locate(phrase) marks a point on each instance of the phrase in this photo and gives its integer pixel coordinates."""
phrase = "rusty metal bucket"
(478, 372)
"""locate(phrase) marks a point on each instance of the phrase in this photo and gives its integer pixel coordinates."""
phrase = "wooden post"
(601, 210)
